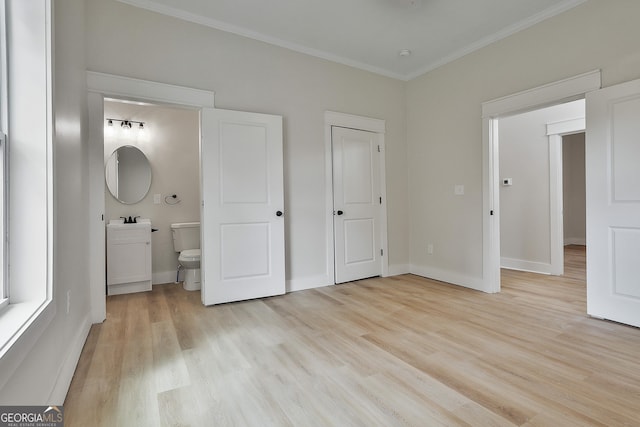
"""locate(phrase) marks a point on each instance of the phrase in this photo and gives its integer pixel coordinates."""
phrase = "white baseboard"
(308, 283)
(398, 269)
(449, 277)
(522, 265)
(68, 368)
(163, 277)
(575, 241)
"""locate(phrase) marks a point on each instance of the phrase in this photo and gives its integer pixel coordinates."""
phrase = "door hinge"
(380, 200)
(102, 217)
(491, 213)
(381, 252)
(378, 148)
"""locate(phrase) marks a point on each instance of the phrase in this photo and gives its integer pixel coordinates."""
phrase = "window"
(26, 177)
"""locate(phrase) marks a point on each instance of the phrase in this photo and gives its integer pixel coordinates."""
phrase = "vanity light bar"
(125, 123)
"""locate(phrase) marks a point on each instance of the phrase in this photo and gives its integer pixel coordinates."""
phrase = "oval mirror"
(128, 174)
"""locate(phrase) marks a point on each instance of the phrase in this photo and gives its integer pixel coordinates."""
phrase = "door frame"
(555, 132)
(99, 86)
(378, 126)
(565, 90)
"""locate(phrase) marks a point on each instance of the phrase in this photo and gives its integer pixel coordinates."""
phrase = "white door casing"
(357, 204)
(100, 85)
(243, 206)
(612, 151)
(554, 93)
(555, 132)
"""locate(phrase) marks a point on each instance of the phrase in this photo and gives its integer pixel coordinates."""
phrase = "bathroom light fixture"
(125, 123)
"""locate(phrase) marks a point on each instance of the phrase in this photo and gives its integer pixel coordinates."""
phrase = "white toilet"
(186, 240)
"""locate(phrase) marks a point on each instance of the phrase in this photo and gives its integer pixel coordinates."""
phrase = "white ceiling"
(369, 34)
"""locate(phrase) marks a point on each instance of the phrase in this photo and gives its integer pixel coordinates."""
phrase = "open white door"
(613, 203)
(242, 206)
(357, 204)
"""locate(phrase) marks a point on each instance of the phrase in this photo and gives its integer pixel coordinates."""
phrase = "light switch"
(458, 190)
(156, 199)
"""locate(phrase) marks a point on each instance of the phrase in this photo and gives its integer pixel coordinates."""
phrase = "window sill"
(20, 327)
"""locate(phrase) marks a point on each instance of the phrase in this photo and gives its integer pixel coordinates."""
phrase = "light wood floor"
(379, 352)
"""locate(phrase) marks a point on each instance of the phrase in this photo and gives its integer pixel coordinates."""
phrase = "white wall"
(574, 192)
(525, 223)
(171, 144)
(45, 372)
(254, 76)
(444, 126)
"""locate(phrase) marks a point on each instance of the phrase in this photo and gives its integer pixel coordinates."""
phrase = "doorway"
(566, 90)
(168, 140)
(531, 186)
(101, 86)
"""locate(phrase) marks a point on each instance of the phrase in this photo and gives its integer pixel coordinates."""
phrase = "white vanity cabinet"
(128, 257)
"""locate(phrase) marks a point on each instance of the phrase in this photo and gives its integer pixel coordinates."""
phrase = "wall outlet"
(156, 199)
(430, 249)
(458, 190)
(68, 301)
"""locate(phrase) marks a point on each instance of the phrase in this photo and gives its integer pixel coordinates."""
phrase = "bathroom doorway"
(169, 139)
(136, 92)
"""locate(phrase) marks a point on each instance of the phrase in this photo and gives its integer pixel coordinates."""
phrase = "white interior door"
(357, 204)
(613, 203)
(242, 221)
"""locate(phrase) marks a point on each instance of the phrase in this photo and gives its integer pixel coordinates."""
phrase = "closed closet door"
(243, 206)
(357, 204)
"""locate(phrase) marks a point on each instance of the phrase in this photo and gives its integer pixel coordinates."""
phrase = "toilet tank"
(186, 235)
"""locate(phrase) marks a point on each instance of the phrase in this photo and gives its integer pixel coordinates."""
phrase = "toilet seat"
(190, 255)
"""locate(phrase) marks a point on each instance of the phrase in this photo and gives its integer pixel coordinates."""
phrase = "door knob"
(279, 213)
(340, 212)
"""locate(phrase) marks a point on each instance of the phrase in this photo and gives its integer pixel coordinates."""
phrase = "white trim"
(553, 93)
(97, 253)
(555, 131)
(550, 12)
(305, 283)
(556, 206)
(31, 308)
(354, 122)
(568, 89)
(529, 266)
(448, 277)
(378, 126)
(13, 353)
(129, 88)
(567, 127)
(490, 204)
(506, 32)
(100, 85)
(68, 368)
(399, 269)
(245, 32)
